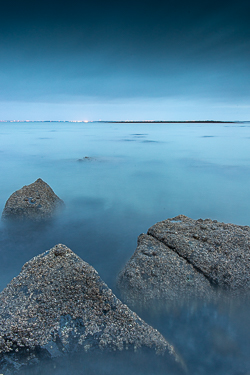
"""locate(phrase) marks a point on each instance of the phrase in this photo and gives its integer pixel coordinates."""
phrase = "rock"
(221, 252)
(58, 304)
(181, 257)
(86, 158)
(156, 272)
(36, 201)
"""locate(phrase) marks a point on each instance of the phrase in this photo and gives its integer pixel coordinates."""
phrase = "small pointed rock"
(36, 201)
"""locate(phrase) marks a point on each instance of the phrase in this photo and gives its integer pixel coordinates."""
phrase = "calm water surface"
(134, 175)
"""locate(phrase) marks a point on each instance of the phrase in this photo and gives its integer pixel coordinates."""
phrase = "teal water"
(134, 176)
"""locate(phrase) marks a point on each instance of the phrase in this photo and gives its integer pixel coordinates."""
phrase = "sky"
(124, 60)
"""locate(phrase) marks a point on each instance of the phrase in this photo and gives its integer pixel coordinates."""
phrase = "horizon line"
(130, 121)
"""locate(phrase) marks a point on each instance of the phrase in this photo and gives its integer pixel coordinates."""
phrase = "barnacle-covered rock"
(181, 259)
(36, 201)
(58, 304)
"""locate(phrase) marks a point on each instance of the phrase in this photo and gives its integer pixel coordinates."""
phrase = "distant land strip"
(172, 122)
(135, 121)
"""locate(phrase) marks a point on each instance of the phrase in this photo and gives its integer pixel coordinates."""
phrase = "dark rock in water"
(58, 304)
(181, 257)
(220, 251)
(155, 272)
(86, 158)
(36, 201)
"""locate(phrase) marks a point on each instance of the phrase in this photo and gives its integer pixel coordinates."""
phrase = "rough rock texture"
(155, 272)
(59, 304)
(181, 257)
(36, 201)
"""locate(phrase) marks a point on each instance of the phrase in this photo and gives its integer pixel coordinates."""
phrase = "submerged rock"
(185, 258)
(36, 201)
(86, 158)
(58, 304)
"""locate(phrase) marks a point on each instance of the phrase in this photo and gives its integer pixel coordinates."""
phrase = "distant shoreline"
(175, 122)
(131, 121)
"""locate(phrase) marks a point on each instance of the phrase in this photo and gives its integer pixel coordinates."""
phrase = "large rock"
(58, 304)
(36, 201)
(186, 258)
(155, 272)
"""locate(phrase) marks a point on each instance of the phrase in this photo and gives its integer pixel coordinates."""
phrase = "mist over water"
(116, 181)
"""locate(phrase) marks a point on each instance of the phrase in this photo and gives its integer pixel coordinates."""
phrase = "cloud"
(58, 51)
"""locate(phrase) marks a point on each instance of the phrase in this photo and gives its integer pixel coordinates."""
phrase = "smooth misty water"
(137, 174)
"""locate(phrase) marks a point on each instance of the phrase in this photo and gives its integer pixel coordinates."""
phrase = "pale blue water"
(138, 174)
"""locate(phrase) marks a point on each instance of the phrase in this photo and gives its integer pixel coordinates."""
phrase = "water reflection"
(98, 363)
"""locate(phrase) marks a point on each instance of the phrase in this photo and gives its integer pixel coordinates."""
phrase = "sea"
(117, 180)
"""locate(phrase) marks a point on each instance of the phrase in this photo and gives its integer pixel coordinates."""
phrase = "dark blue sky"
(125, 60)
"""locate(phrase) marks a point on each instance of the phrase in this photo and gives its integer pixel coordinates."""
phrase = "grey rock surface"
(155, 272)
(182, 257)
(36, 201)
(58, 304)
(220, 251)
